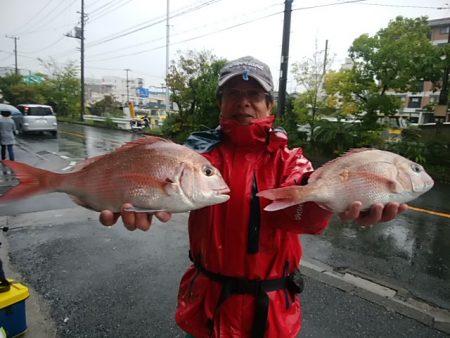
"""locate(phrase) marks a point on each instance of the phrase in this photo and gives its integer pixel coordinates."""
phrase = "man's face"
(244, 101)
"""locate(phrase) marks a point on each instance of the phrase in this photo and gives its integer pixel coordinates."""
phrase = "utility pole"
(441, 108)
(284, 57)
(167, 57)
(79, 34)
(15, 51)
(83, 106)
(128, 92)
(319, 85)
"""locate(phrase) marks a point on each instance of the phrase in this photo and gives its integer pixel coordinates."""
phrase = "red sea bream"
(151, 173)
(366, 175)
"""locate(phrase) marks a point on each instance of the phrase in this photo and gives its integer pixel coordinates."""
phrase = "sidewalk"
(388, 296)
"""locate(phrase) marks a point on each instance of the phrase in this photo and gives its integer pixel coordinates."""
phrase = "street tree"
(398, 58)
(108, 107)
(62, 88)
(192, 80)
(309, 75)
(15, 91)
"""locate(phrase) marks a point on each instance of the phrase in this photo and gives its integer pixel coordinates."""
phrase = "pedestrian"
(244, 280)
(146, 122)
(7, 139)
(5, 285)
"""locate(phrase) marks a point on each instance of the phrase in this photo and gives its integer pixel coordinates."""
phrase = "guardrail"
(122, 123)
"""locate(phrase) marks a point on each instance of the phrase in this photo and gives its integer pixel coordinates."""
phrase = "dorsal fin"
(135, 143)
(85, 163)
(142, 141)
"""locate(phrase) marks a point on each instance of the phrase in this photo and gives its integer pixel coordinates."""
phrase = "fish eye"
(207, 170)
(416, 168)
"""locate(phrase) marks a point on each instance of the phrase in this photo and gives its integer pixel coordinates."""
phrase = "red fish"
(366, 175)
(151, 173)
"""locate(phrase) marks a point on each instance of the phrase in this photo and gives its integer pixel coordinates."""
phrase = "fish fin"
(142, 141)
(83, 164)
(32, 181)
(281, 193)
(285, 197)
(137, 209)
(280, 204)
(172, 185)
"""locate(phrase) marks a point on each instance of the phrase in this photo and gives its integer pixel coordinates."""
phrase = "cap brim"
(263, 83)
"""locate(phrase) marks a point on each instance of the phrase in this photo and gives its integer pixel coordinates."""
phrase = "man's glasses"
(253, 95)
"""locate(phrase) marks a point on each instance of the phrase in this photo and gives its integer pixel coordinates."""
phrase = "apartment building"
(417, 105)
(148, 101)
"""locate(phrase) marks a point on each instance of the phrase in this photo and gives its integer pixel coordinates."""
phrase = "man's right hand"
(132, 220)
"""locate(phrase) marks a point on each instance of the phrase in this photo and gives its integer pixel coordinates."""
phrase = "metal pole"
(167, 56)
(15, 55)
(83, 108)
(284, 57)
(128, 92)
(15, 52)
(443, 96)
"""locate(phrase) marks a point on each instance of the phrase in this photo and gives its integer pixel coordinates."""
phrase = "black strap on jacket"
(254, 224)
(259, 288)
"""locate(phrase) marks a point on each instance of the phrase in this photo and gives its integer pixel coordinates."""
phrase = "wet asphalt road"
(103, 282)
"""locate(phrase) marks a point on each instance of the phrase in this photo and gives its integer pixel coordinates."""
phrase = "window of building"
(414, 102)
(444, 30)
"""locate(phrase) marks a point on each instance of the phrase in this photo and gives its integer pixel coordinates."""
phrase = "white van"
(35, 118)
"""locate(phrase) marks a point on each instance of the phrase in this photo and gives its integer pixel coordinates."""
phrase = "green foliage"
(15, 91)
(290, 122)
(309, 74)
(108, 106)
(193, 81)
(62, 89)
(108, 123)
(398, 56)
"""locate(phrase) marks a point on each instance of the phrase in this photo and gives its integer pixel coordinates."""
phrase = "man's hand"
(132, 220)
(377, 213)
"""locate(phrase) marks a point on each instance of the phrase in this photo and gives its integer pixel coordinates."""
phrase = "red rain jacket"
(219, 235)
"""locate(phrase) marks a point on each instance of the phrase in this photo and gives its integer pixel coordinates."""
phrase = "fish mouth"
(222, 191)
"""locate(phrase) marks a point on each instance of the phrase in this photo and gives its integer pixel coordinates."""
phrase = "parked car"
(35, 118)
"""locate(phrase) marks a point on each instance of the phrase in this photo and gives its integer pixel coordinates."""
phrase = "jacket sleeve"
(306, 218)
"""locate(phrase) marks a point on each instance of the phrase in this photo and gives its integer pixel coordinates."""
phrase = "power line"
(148, 24)
(46, 47)
(191, 39)
(405, 6)
(109, 3)
(49, 18)
(203, 27)
(35, 16)
(107, 11)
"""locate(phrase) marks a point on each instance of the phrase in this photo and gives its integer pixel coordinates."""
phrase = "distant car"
(35, 118)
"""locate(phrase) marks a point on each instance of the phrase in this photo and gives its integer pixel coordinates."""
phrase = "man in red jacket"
(244, 280)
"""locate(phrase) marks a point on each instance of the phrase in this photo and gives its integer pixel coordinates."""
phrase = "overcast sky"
(228, 28)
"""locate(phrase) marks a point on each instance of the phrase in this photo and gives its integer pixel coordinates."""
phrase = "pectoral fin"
(137, 209)
(172, 186)
(285, 197)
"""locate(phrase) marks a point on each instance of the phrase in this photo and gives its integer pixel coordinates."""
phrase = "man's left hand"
(377, 213)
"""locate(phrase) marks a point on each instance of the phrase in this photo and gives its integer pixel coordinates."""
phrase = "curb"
(392, 298)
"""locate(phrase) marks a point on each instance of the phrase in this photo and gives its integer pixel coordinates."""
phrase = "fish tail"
(285, 197)
(32, 181)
